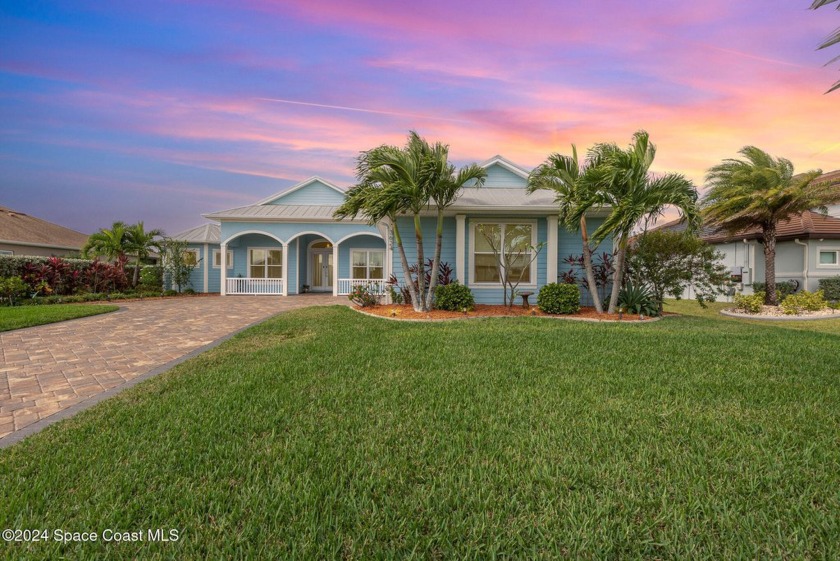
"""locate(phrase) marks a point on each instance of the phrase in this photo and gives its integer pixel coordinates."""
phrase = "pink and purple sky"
(163, 110)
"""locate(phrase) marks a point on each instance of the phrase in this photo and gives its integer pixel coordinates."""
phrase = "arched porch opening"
(260, 264)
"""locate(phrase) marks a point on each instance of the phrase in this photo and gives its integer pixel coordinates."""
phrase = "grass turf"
(18, 317)
(324, 434)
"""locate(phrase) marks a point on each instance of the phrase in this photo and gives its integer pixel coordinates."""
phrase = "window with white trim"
(190, 257)
(829, 258)
(217, 258)
(367, 264)
(265, 263)
(515, 254)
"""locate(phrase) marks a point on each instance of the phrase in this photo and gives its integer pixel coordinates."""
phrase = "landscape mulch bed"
(393, 311)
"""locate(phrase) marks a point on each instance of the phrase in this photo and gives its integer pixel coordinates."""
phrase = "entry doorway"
(321, 266)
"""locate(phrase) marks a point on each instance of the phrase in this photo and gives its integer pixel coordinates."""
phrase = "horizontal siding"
(316, 193)
(429, 226)
(570, 243)
(498, 176)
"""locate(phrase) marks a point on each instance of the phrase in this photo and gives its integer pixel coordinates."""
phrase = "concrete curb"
(468, 318)
(757, 317)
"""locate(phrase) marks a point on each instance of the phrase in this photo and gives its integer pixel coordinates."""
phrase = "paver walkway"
(49, 368)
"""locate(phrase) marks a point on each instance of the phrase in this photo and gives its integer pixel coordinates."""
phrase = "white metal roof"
(276, 212)
(207, 233)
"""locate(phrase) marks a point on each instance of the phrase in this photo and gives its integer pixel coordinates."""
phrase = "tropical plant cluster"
(454, 297)
(804, 302)
(783, 289)
(559, 298)
(637, 298)
(749, 303)
(363, 296)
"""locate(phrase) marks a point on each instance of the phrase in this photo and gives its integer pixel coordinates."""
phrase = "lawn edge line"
(14, 437)
(119, 309)
(549, 317)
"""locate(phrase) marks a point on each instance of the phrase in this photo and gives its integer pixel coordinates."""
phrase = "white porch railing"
(254, 286)
(345, 285)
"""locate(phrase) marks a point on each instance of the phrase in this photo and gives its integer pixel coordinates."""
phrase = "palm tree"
(620, 180)
(832, 39)
(139, 243)
(563, 175)
(108, 243)
(406, 181)
(759, 192)
(444, 185)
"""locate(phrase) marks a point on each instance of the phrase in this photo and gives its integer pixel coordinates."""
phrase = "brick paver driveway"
(49, 368)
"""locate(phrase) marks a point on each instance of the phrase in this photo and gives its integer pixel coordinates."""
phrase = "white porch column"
(551, 248)
(460, 250)
(335, 270)
(285, 269)
(207, 258)
(223, 269)
(297, 266)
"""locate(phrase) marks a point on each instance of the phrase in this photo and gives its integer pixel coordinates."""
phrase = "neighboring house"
(290, 243)
(807, 250)
(21, 234)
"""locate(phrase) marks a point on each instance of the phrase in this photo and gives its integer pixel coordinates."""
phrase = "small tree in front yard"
(668, 262)
(178, 263)
(12, 288)
(513, 255)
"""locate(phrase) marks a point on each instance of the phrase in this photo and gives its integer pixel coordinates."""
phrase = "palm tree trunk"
(412, 288)
(420, 304)
(769, 234)
(136, 278)
(587, 266)
(433, 278)
(618, 275)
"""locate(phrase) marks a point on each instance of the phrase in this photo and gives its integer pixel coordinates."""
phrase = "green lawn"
(28, 316)
(323, 434)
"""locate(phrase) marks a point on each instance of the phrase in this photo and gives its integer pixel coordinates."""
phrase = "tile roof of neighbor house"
(809, 224)
(18, 227)
(206, 233)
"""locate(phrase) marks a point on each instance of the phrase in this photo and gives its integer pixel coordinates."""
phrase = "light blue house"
(289, 243)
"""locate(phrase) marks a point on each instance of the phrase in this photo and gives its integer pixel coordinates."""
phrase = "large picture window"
(264, 263)
(368, 264)
(508, 243)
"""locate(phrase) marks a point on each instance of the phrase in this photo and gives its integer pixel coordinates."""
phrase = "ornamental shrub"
(11, 289)
(831, 288)
(639, 299)
(454, 297)
(363, 296)
(751, 303)
(783, 288)
(559, 298)
(804, 302)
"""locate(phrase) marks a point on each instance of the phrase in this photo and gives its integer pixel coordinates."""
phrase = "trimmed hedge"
(559, 298)
(783, 288)
(13, 265)
(831, 288)
(454, 297)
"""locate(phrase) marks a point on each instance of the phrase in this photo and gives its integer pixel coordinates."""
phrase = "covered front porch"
(312, 261)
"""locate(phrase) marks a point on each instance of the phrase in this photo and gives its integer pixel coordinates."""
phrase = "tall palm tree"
(406, 181)
(563, 175)
(108, 243)
(759, 192)
(443, 186)
(139, 243)
(622, 182)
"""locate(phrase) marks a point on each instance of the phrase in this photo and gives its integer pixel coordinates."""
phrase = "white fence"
(254, 286)
(345, 285)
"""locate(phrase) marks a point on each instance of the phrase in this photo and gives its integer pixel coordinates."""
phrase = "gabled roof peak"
(507, 164)
(301, 185)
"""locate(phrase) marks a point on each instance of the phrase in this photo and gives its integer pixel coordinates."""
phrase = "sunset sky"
(163, 110)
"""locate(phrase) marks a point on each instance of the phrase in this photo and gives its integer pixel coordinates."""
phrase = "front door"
(322, 270)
